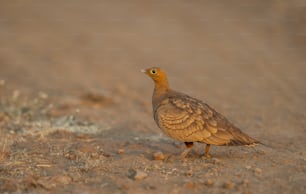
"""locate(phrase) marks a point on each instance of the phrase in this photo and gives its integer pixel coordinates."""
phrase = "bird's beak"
(143, 71)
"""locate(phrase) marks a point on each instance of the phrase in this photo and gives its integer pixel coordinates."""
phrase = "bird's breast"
(177, 123)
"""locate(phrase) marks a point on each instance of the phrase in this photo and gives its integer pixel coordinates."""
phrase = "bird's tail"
(240, 138)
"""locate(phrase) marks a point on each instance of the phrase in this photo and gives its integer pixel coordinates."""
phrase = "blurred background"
(74, 65)
(247, 51)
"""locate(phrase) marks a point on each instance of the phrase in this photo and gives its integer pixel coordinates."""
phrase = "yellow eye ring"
(153, 71)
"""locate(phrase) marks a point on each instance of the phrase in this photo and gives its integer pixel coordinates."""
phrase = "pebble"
(209, 182)
(43, 95)
(16, 94)
(190, 185)
(228, 185)
(245, 182)
(136, 138)
(70, 155)
(216, 161)
(140, 175)
(125, 186)
(248, 167)
(257, 171)
(63, 179)
(189, 173)
(158, 156)
(121, 151)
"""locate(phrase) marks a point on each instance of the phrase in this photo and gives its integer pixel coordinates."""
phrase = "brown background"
(60, 59)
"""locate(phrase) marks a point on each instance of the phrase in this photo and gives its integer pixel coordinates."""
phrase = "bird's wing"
(188, 119)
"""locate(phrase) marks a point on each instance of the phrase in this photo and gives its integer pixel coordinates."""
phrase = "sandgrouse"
(189, 120)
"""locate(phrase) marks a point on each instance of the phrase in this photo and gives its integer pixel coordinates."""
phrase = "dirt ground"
(75, 111)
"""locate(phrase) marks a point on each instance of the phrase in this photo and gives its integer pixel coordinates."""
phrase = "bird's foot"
(185, 153)
(183, 156)
(207, 156)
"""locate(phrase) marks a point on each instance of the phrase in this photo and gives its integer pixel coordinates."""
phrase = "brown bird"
(189, 120)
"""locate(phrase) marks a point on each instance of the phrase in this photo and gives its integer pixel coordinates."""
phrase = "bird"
(187, 119)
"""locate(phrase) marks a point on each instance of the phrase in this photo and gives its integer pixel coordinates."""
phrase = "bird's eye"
(153, 71)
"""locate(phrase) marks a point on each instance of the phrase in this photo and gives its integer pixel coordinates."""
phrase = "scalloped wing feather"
(189, 120)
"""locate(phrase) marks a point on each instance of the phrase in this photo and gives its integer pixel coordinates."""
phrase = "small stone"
(136, 138)
(209, 182)
(140, 175)
(190, 185)
(216, 161)
(43, 95)
(189, 173)
(125, 186)
(95, 155)
(245, 182)
(228, 185)
(257, 171)
(120, 151)
(62, 179)
(76, 176)
(16, 94)
(70, 155)
(158, 156)
(248, 167)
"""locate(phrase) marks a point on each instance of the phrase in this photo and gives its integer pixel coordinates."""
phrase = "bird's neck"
(160, 92)
(161, 87)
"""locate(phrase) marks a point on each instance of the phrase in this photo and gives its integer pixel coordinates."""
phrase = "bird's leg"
(206, 151)
(187, 150)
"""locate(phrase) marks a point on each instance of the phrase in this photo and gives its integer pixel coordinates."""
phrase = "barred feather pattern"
(187, 119)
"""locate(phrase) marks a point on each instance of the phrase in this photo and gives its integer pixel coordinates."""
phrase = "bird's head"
(157, 75)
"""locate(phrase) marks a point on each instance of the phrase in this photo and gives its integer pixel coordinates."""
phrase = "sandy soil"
(75, 112)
